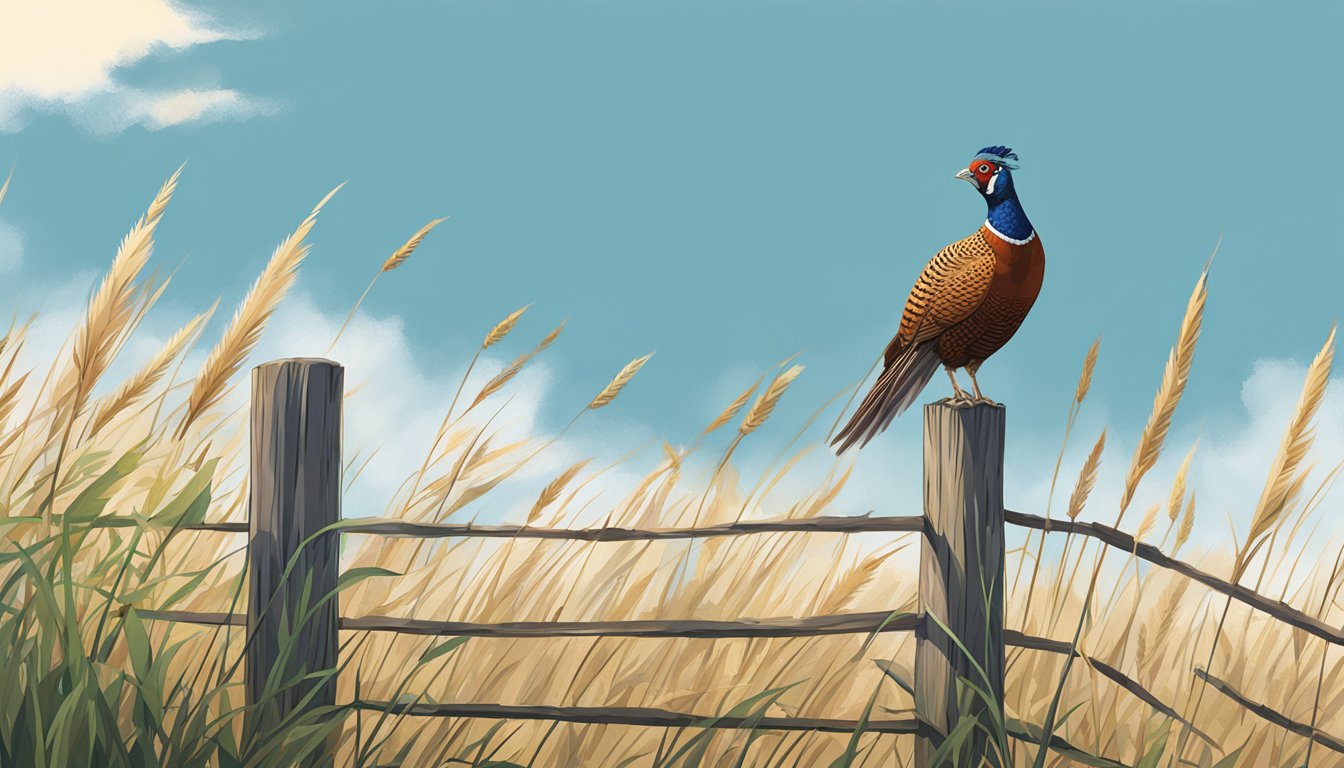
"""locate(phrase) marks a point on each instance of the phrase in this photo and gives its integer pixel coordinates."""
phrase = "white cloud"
(63, 55)
(11, 248)
(1229, 470)
(400, 397)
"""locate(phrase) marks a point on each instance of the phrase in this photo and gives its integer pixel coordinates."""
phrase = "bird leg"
(960, 395)
(975, 385)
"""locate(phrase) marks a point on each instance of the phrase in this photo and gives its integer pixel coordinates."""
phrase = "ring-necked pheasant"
(966, 304)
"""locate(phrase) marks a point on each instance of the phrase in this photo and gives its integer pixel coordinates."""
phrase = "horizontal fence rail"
(1121, 540)
(647, 716)
(841, 524)
(841, 624)
(1032, 643)
(854, 623)
(821, 524)
(1271, 715)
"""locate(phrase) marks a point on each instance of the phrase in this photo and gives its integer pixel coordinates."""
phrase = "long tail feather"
(896, 389)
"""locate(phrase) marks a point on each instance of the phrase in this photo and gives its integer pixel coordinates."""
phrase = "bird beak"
(965, 174)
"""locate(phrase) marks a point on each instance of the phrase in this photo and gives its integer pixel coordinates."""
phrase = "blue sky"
(727, 183)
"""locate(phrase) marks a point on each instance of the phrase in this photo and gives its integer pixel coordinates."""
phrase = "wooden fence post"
(295, 492)
(961, 574)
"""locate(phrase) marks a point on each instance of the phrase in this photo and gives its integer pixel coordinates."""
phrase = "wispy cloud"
(1230, 467)
(63, 56)
(11, 248)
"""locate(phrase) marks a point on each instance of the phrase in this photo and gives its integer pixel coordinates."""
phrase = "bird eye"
(984, 169)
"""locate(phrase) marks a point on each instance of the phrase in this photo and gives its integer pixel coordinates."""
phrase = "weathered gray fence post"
(295, 492)
(961, 574)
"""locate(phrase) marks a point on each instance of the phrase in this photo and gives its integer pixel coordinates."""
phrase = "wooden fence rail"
(820, 524)
(1117, 538)
(813, 626)
(647, 716)
(959, 628)
(1113, 537)
(1272, 715)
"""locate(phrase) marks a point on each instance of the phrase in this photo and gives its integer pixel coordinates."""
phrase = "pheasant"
(967, 303)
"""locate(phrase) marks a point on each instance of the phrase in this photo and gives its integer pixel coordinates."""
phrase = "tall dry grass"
(183, 445)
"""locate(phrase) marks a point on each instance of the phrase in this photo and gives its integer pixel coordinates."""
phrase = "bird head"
(991, 172)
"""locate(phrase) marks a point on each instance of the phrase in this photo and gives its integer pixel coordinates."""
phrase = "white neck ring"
(1008, 239)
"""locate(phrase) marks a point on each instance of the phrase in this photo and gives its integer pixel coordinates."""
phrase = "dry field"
(87, 681)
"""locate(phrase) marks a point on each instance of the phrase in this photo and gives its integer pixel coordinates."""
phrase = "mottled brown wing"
(950, 288)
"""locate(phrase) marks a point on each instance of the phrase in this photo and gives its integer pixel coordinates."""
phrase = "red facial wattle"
(982, 171)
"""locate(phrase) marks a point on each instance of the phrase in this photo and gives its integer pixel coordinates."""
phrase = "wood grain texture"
(961, 572)
(819, 524)
(850, 623)
(661, 718)
(648, 716)
(295, 492)
(838, 624)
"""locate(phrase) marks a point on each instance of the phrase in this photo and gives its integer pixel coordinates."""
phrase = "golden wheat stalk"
(4, 188)
(1087, 478)
(1075, 407)
(553, 490)
(497, 382)
(1166, 619)
(1147, 523)
(732, 409)
(1179, 484)
(765, 404)
(618, 383)
(10, 398)
(1187, 523)
(1174, 378)
(136, 387)
(503, 328)
(398, 257)
(496, 335)
(673, 457)
(111, 311)
(1089, 366)
(843, 592)
(1284, 483)
(160, 202)
(403, 253)
(550, 338)
(244, 331)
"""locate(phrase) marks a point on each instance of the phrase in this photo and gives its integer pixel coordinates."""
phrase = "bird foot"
(967, 401)
(961, 398)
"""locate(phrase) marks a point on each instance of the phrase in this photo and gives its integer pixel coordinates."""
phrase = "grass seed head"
(1187, 522)
(502, 328)
(553, 490)
(765, 404)
(1087, 478)
(733, 408)
(403, 253)
(1174, 378)
(1284, 483)
(1179, 484)
(623, 378)
(244, 331)
(1089, 365)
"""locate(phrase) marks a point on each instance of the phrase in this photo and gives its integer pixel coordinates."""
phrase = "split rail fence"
(296, 496)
